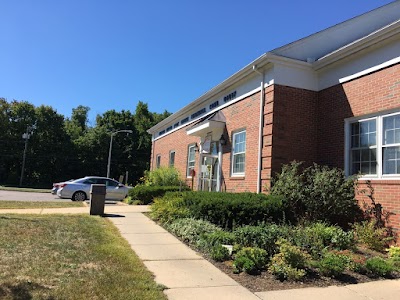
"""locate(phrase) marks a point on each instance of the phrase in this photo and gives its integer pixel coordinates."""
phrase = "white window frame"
(188, 167)
(158, 161)
(379, 146)
(234, 135)
(170, 155)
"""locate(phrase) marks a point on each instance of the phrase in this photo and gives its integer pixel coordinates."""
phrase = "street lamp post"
(109, 151)
(25, 136)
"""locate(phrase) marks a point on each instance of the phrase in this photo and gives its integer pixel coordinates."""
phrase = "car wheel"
(79, 196)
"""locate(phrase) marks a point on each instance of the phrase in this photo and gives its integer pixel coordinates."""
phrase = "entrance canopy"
(213, 124)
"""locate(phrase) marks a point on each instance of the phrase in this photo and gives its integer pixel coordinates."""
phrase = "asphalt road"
(27, 196)
(31, 197)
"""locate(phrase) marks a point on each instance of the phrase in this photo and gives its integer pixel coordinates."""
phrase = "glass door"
(209, 173)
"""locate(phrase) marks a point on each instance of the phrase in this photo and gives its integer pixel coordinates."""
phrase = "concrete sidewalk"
(188, 276)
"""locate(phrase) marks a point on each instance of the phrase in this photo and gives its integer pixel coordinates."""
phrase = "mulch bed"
(267, 282)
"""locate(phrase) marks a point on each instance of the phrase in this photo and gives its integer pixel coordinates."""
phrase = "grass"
(18, 189)
(37, 204)
(69, 257)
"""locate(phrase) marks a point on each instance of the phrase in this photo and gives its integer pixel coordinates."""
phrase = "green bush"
(220, 237)
(162, 176)
(230, 210)
(394, 252)
(169, 208)
(219, 253)
(290, 263)
(146, 194)
(375, 238)
(250, 260)
(318, 237)
(394, 256)
(317, 193)
(190, 230)
(332, 264)
(263, 236)
(377, 266)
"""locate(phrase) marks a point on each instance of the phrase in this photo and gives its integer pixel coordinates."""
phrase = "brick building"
(332, 98)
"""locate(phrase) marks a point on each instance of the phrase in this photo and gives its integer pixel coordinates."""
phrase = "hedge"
(146, 194)
(229, 210)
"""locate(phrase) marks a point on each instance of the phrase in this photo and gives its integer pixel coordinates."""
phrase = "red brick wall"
(241, 115)
(376, 92)
(295, 126)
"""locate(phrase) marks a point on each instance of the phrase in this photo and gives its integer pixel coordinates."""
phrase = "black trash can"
(97, 199)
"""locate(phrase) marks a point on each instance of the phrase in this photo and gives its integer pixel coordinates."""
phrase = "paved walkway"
(188, 276)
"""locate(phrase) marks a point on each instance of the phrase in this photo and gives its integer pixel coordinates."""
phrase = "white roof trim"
(371, 70)
(355, 46)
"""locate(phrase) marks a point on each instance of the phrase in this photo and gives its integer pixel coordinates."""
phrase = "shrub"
(263, 236)
(317, 193)
(250, 260)
(219, 253)
(289, 263)
(230, 210)
(220, 237)
(394, 252)
(394, 256)
(332, 264)
(169, 208)
(146, 194)
(319, 236)
(377, 266)
(190, 230)
(367, 233)
(162, 176)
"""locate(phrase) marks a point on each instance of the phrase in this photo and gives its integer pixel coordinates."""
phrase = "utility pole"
(110, 149)
(25, 136)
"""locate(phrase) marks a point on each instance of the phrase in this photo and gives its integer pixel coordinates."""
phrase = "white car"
(79, 189)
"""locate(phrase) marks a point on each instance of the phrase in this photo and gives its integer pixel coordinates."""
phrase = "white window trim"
(237, 174)
(187, 163)
(379, 146)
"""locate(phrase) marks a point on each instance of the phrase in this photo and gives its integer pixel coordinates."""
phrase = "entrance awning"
(214, 124)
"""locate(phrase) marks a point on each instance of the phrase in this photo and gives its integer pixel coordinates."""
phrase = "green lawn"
(17, 189)
(69, 257)
(26, 204)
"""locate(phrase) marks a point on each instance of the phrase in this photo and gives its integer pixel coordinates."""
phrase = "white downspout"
(261, 127)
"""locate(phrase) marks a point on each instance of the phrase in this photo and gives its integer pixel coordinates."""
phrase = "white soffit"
(204, 128)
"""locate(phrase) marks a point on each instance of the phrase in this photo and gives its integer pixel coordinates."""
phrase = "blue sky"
(111, 54)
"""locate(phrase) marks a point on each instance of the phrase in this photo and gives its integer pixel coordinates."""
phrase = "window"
(238, 152)
(171, 158)
(191, 160)
(158, 161)
(363, 147)
(374, 146)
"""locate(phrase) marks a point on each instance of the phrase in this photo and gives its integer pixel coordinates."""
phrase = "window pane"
(356, 168)
(238, 164)
(391, 130)
(388, 137)
(364, 140)
(355, 155)
(372, 139)
(355, 128)
(397, 136)
(355, 141)
(365, 168)
(391, 160)
(365, 155)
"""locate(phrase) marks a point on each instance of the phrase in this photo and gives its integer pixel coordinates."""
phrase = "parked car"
(57, 185)
(79, 189)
